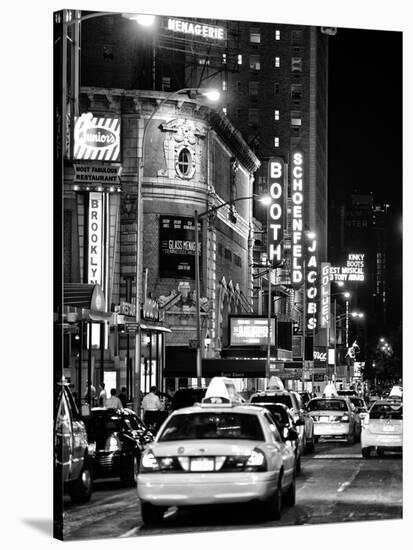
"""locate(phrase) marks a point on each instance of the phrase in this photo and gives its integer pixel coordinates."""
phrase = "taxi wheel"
(129, 476)
(289, 497)
(272, 507)
(298, 465)
(310, 445)
(351, 438)
(151, 514)
(80, 490)
(380, 452)
(365, 451)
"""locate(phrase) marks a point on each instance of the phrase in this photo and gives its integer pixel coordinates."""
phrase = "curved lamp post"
(197, 217)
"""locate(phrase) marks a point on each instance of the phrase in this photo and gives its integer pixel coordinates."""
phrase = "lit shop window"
(184, 162)
(296, 64)
(255, 62)
(277, 62)
(224, 110)
(166, 83)
(296, 92)
(277, 34)
(239, 59)
(276, 88)
(224, 58)
(224, 85)
(203, 61)
(276, 142)
(276, 114)
(255, 36)
(295, 118)
(253, 87)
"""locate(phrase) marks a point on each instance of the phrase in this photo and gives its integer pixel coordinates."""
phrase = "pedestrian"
(113, 402)
(123, 396)
(92, 388)
(151, 405)
(102, 395)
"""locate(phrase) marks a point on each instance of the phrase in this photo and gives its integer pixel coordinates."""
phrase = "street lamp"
(197, 217)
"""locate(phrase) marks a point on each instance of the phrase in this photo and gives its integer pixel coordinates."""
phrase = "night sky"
(365, 130)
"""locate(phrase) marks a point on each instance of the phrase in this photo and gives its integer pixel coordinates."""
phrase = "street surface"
(336, 485)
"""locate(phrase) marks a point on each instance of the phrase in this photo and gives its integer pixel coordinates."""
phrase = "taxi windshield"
(327, 405)
(212, 425)
(386, 412)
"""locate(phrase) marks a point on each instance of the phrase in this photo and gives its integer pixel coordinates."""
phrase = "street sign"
(193, 344)
(131, 328)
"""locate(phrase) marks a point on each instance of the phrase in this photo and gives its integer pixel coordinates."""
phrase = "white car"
(219, 451)
(334, 417)
(382, 428)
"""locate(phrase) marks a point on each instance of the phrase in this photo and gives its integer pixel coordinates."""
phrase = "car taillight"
(256, 462)
(315, 417)
(112, 444)
(149, 462)
(345, 418)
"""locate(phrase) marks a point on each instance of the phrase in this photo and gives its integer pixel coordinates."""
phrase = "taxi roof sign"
(275, 383)
(330, 390)
(221, 391)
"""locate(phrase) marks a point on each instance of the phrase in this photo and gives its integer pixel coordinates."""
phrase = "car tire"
(80, 490)
(316, 438)
(365, 451)
(380, 452)
(129, 476)
(289, 498)
(310, 444)
(151, 515)
(298, 465)
(351, 438)
(271, 508)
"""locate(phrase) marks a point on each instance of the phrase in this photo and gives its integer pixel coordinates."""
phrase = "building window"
(277, 34)
(237, 260)
(220, 249)
(295, 118)
(296, 64)
(276, 114)
(277, 62)
(253, 88)
(184, 162)
(239, 59)
(224, 58)
(224, 110)
(276, 142)
(238, 113)
(166, 83)
(255, 36)
(296, 92)
(296, 37)
(276, 88)
(255, 62)
(227, 254)
(224, 85)
(253, 116)
(203, 61)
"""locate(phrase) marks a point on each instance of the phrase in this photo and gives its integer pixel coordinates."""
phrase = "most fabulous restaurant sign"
(177, 247)
(96, 138)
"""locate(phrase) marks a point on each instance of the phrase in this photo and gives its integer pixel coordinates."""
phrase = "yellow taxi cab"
(382, 428)
(218, 451)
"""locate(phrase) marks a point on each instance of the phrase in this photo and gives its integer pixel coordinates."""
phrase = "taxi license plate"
(388, 428)
(324, 418)
(202, 465)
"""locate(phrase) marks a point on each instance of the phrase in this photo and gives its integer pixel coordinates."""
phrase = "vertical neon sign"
(311, 285)
(297, 197)
(276, 211)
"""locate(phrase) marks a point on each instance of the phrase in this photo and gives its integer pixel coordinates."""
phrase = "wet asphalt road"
(336, 485)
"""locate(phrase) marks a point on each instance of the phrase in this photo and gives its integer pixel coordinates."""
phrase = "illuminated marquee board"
(325, 295)
(250, 331)
(312, 285)
(353, 271)
(297, 196)
(197, 29)
(276, 211)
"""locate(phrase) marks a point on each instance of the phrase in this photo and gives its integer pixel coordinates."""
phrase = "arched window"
(184, 162)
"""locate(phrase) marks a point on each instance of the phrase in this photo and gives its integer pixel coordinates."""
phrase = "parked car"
(382, 428)
(220, 451)
(71, 451)
(186, 397)
(285, 421)
(302, 420)
(116, 441)
(334, 417)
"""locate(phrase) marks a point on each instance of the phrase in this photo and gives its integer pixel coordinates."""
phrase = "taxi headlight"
(256, 462)
(149, 462)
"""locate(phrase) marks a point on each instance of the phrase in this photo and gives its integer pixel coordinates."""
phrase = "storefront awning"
(83, 302)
